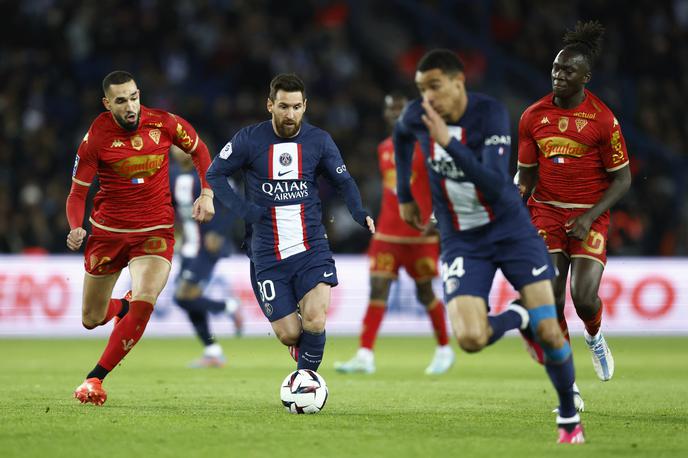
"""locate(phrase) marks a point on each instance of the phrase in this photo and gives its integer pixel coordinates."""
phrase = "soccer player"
(292, 269)
(202, 247)
(483, 226)
(132, 220)
(572, 158)
(397, 244)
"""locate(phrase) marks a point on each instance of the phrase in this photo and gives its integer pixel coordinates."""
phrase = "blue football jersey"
(469, 180)
(282, 202)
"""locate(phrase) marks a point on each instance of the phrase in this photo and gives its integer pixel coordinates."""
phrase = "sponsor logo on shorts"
(267, 307)
(328, 274)
(451, 285)
(155, 245)
(537, 271)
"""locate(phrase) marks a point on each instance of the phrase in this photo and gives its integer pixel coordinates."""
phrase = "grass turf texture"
(495, 403)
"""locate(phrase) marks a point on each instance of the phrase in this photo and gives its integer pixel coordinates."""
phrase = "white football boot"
(362, 363)
(602, 359)
(442, 361)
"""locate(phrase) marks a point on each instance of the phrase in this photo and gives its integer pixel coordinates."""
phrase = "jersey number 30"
(266, 289)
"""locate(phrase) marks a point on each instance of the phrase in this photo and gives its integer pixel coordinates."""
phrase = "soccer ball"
(304, 391)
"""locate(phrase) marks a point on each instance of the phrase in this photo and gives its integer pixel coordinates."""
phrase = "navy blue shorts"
(199, 269)
(470, 259)
(279, 287)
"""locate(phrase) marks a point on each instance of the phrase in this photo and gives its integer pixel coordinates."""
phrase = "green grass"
(495, 403)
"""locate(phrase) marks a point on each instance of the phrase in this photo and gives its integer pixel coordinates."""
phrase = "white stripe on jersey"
(289, 231)
(285, 161)
(469, 211)
(184, 197)
(464, 201)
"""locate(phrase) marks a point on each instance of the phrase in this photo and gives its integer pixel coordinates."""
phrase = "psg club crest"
(285, 159)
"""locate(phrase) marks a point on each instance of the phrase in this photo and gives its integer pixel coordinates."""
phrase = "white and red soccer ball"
(304, 391)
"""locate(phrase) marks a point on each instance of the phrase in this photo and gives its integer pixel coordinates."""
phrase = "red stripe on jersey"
(484, 203)
(298, 149)
(273, 215)
(271, 176)
(450, 206)
(303, 213)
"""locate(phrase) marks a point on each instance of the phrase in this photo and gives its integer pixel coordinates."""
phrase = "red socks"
(371, 323)
(593, 325)
(114, 307)
(439, 321)
(126, 334)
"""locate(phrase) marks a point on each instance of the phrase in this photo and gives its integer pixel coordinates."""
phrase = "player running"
(396, 244)
(572, 157)
(203, 245)
(483, 226)
(132, 220)
(292, 269)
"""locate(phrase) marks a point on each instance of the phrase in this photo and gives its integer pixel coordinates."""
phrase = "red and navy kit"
(134, 195)
(575, 150)
(482, 221)
(395, 243)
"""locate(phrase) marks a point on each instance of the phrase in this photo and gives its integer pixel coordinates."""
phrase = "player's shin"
(311, 349)
(558, 364)
(437, 314)
(371, 323)
(126, 334)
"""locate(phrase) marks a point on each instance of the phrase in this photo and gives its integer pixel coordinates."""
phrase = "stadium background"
(211, 61)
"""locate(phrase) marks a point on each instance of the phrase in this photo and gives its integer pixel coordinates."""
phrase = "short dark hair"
(585, 39)
(443, 59)
(287, 82)
(116, 77)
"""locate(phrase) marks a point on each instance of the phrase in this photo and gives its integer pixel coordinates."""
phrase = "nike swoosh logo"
(281, 174)
(309, 355)
(538, 271)
(328, 274)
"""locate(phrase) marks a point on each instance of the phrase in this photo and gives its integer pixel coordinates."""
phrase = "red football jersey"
(133, 169)
(389, 223)
(574, 149)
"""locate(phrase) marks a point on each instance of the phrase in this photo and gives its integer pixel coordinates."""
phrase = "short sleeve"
(527, 147)
(86, 160)
(613, 149)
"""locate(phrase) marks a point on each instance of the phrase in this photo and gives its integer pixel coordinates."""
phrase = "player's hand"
(430, 229)
(410, 213)
(437, 127)
(371, 224)
(579, 227)
(203, 208)
(75, 238)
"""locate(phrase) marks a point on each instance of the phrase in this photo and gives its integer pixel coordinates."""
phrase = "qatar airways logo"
(285, 190)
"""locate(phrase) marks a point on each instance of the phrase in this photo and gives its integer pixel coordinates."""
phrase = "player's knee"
(472, 341)
(550, 335)
(288, 337)
(314, 323)
(425, 296)
(92, 319)
(584, 297)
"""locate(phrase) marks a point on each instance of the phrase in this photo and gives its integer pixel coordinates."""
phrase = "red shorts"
(550, 222)
(109, 252)
(419, 259)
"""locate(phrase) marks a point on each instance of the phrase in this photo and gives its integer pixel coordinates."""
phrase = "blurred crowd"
(211, 61)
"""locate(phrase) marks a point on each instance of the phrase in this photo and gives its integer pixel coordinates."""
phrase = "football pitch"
(496, 403)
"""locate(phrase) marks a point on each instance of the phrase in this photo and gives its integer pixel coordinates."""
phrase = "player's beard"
(129, 126)
(287, 130)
